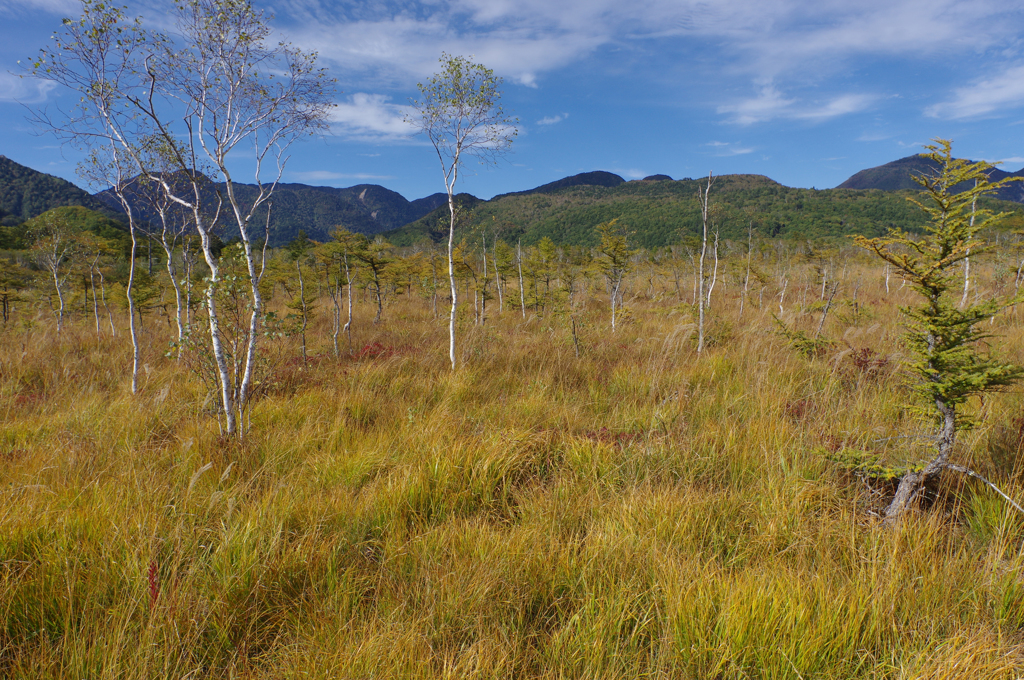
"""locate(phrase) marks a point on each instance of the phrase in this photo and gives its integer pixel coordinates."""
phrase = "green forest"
(662, 213)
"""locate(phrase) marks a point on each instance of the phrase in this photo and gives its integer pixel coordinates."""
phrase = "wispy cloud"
(23, 90)
(770, 104)
(551, 120)
(527, 38)
(630, 173)
(371, 117)
(983, 97)
(58, 7)
(767, 105)
(874, 136)
(725, 149)
(839, 106)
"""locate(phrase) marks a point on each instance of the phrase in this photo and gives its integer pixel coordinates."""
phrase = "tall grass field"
(568, 503)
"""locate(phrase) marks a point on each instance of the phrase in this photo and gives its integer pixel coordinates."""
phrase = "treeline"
(663, 213)
(76, 262)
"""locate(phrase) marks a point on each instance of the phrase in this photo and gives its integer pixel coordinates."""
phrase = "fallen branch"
(972, 473)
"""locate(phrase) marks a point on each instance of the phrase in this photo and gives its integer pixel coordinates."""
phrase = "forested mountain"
(598, 178)
(364, 208)
(896, 176)
(660, 213)
(26, 193)
(658, 210)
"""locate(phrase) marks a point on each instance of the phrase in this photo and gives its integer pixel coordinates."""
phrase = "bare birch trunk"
(497, 280)
(103, 297)
(701, 301)
(348, 323)
(172, 274)
(302, 299)
(714, 275)
(451, 278)
(522, 292)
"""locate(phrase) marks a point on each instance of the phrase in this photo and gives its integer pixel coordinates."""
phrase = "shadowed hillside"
(897, 176)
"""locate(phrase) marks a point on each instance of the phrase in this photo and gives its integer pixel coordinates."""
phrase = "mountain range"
(658, 209)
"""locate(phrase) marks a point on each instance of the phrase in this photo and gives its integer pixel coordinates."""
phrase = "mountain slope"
(598, 178)
(26, 193)
(365, 208)
(897, 176)
(662, 213)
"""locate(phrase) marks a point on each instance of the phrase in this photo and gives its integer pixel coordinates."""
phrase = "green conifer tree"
(942, 338)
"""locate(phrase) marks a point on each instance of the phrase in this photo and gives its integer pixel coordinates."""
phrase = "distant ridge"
(26, 193)
(429, 203)
(897, 176)
(365, 208)
(658, 178)
(597, 178)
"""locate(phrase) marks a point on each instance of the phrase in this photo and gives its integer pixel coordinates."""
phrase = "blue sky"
(805, 92)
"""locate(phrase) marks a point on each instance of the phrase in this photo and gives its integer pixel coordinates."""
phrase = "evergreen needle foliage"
(944, 339)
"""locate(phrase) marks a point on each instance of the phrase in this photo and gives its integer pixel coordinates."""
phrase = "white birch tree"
(460, 112)
(206, 93)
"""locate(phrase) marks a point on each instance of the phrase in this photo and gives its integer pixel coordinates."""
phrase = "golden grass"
(636, 512)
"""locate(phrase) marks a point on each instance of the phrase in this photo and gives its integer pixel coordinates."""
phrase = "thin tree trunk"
(451, 277)
(522, 293)
(348, 323)
(912, 483)
(483, 294)
(336, 299)
(433, 269)
(746, 279)
(95, 302)
(103, 297)
(497, 279)
(302, 299)
(824, 314)
(615, 295)
(701, 301)
(60, 300)
(967, 260)
(172, 274)
(128, 291)
(714, 275)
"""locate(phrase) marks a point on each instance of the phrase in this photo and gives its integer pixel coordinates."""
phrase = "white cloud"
(21, 7)
(724, 149)
(767, 105)
(551, 120)
(524, 38)
(788, 44)
(839, 106)
(23, 90)
(371, 117)
(771, 104)
(874, 136)
(631, 173)
(983, 97)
